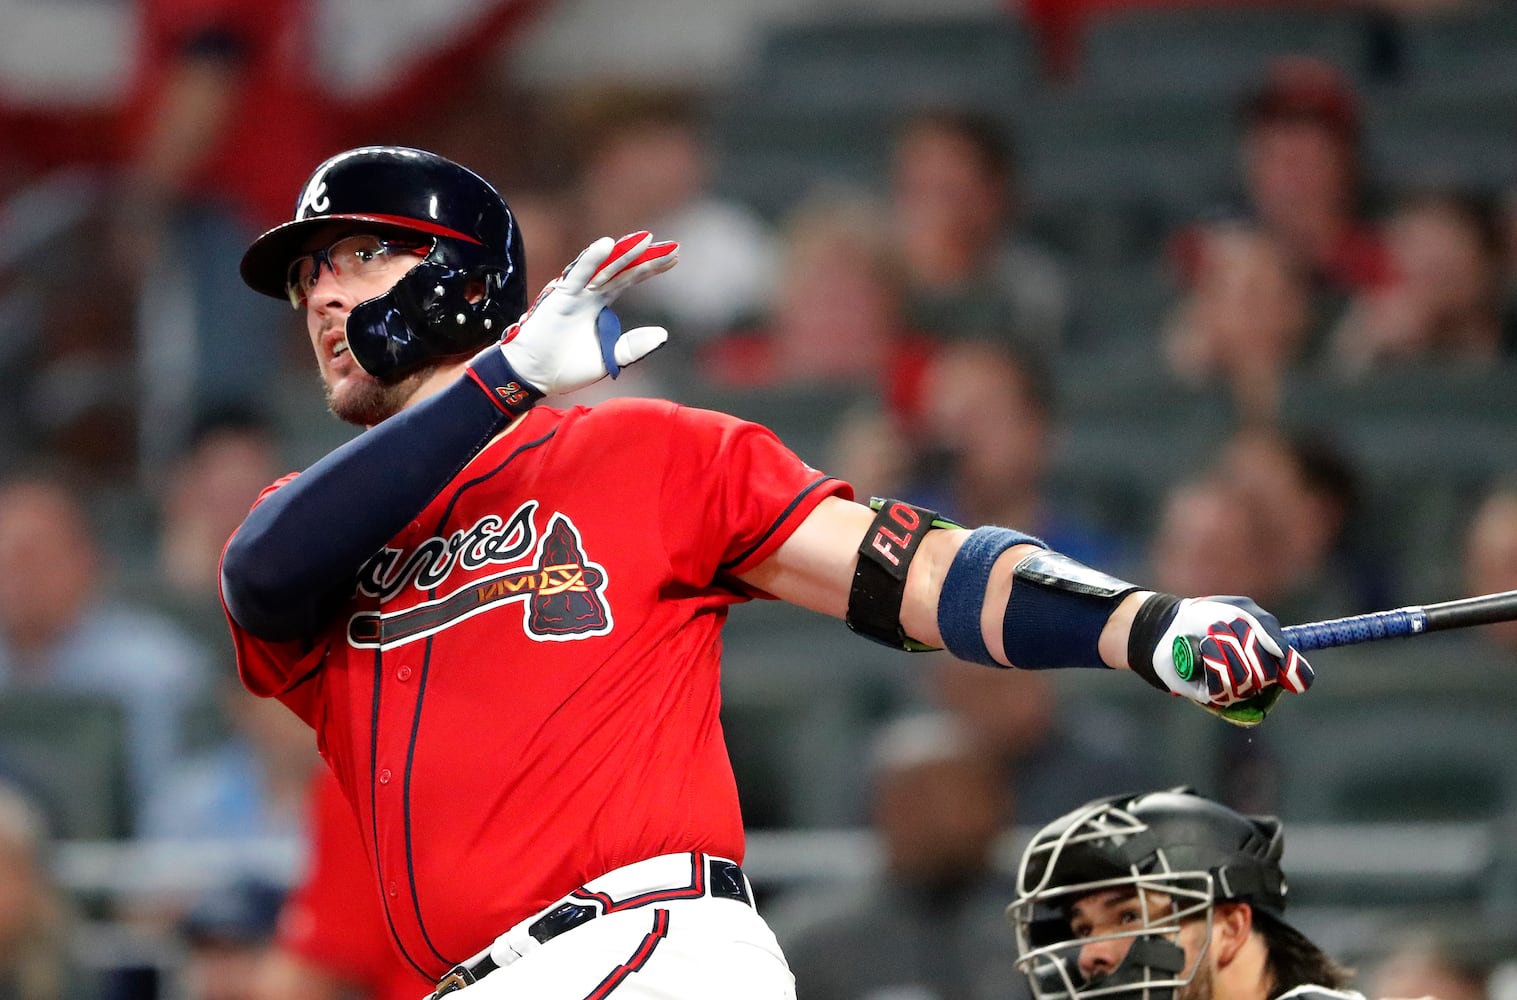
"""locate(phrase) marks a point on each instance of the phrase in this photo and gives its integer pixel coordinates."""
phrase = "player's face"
(329, 282)
(1103, 918)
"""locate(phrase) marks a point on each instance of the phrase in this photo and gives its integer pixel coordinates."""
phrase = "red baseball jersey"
(522, 692)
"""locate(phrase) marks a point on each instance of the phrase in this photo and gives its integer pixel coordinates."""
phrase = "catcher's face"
(1110, 921)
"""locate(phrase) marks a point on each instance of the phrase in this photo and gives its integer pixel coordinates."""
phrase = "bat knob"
(1186, 652)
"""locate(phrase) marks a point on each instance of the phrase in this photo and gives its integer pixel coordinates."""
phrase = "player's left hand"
(569, 338)
(1230, 656)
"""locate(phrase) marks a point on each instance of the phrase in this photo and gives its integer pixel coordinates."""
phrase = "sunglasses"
(348, 256)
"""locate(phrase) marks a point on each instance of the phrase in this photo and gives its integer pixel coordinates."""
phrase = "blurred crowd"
(924, 332)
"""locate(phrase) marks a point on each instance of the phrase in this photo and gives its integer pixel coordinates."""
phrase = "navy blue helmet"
(469, 287)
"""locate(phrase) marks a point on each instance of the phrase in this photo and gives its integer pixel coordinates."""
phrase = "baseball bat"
(1463, 613)
(1372, 627)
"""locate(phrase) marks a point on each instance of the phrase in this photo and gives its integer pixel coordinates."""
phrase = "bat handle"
(1322, 635)
(1356, 629)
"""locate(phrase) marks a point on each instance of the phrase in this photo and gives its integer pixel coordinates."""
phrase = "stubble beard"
(1200, 985)
(369, 402)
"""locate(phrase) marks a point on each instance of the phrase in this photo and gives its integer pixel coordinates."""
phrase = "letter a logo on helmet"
(464, 294)
(315, 200)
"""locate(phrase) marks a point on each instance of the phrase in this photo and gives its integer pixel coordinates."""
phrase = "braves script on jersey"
(522, 692)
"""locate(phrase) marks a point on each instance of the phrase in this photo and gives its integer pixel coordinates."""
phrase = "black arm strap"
(879, 581)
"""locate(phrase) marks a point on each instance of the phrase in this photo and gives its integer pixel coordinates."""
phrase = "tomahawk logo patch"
(562, 595)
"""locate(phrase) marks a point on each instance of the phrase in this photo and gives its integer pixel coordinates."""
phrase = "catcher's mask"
(1173, 853)
(467, 290)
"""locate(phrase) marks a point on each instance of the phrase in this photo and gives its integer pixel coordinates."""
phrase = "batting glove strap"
(508, 391)
(1148, 627)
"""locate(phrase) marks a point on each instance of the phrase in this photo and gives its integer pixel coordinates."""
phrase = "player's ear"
(1232, 924)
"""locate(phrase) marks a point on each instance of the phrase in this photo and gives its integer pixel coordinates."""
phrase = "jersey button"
(394, 891)
(403, 674)
(415, 527)
(384, 776)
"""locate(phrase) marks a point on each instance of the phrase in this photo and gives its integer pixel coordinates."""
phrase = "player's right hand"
(569, 338)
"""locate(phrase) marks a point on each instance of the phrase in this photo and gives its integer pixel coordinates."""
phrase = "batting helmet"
(467, 290)
(1174, 846)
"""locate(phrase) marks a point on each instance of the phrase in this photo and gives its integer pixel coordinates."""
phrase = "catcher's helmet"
(1172, 846)
(467, 290)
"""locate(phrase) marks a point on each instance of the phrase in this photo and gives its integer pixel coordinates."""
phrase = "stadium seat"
(1442, 136)
(895, 64)
(1215, 51)
(71, 750)
(1466, 50)
(1436, 748)
(801, 695)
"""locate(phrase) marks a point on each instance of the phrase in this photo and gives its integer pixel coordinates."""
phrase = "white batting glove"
(569, 338)
(1225, 653)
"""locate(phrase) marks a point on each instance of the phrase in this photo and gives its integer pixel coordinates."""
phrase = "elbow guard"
(879, 579)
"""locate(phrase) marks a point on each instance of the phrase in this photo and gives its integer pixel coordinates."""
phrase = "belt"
(666, 878)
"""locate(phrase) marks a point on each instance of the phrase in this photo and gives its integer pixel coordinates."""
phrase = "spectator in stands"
(229, 104)
(227, 933)
(984, 435)
(1211, 536)
(251, 783)
(1054, 751)
(1428, 962)
(1444, 299)
(1271, 520)
(61, 629)
(969, 272)
(332, 942)
(1306, 494)
(1303, 173)
(927, 925)
(1490, 556)
(36, 949)
(1244, 318)
(646, 166)
(224, 119)
(835, 318)
(233, 453)
(1303, 183)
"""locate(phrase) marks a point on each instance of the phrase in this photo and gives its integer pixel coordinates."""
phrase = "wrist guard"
(1148, 627)
(1057, 611)
(508, 391)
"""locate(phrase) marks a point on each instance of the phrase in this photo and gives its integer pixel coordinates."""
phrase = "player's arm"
(292, 562)
(1000, 597)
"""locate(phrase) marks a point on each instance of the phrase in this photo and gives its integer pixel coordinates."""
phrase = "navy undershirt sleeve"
(294, 560)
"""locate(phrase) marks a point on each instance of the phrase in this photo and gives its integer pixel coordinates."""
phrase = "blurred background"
(1221, 296)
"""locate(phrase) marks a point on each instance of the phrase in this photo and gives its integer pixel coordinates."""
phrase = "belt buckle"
(454, 981)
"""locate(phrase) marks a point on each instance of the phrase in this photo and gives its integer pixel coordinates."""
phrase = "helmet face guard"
(449, 306)
(463, 295)
(1175, 854)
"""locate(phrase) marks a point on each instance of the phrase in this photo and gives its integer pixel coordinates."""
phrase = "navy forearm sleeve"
(294, 559)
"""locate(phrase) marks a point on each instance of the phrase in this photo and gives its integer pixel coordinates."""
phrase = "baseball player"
(1163, 896)
(504, 620)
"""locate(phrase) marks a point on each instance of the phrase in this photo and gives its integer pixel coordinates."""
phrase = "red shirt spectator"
(332, 935)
